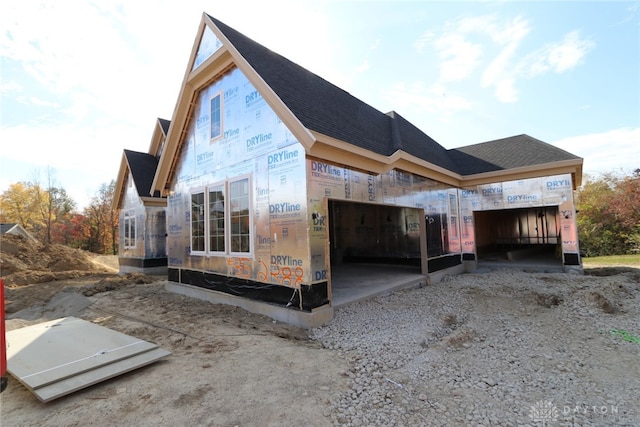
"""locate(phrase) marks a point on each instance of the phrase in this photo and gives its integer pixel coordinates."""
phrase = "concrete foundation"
(307, 320)
(153, 271)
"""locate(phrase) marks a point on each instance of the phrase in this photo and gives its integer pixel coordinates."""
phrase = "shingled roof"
(143, 168)
(506, 153)
(164, 123)
(5, 227)
(325, 108)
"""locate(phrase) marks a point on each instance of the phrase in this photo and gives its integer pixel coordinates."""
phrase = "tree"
(39, 211)
(73, 231)
(102, 221)
(20, 204)
(50, 215)
(58, 207)
(60, 211)
(609, 214)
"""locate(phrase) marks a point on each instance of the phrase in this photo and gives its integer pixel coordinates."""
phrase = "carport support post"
(424, 264)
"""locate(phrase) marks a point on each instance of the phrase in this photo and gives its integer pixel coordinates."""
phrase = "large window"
(197, 222)
(239, 198)
(129, 229)
(221, 218)
(216, 219)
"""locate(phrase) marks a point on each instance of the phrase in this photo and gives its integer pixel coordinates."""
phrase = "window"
(129, 229)
(221, 218)
(454, 238)
(216, 219)
(216, 117)
(239, 215)
(197, 222)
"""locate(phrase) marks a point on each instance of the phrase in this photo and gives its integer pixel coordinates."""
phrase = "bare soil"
(227, 366)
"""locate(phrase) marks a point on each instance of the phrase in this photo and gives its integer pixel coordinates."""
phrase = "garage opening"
(369, 233)
(374, 249)
(528, 234)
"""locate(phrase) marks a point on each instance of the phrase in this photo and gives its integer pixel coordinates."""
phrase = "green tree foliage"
(609, 214)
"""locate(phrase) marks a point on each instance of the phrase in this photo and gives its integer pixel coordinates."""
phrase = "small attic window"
(216, 116)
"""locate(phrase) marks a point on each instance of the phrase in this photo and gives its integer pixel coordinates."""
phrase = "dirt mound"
(34, 274)
(26, 262)
(114, 282)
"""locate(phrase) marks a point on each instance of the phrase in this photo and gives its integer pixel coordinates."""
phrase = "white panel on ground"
(61, 356)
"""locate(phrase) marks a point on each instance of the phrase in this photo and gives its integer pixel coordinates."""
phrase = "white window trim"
(249, 254)
(129, 216)
(194, 191)
(225, 192)
(227, 219)
(219, 136)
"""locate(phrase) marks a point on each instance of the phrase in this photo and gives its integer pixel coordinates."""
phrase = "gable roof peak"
(164, 124)
(143, 168)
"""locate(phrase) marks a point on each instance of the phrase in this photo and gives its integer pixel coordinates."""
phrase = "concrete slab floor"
(355, 282)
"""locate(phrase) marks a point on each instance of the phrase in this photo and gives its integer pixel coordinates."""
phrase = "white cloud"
(362, 67)
(500, 73)
(460, 50)
(101, 71)
(424, 40)
(459, 57)
(8, 87)
(70, 146)
(463, 46)
(32, 100)
(558, 57)
(433, 99)
(83, 156)
(613, 150)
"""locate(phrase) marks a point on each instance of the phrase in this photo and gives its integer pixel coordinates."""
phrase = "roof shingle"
(143, 168)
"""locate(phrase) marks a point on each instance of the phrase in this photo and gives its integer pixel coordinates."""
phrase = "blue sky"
(82, 80)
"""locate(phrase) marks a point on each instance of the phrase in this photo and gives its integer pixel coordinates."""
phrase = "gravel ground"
(499, 348)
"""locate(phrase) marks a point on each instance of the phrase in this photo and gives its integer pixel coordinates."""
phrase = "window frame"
(209, 189)
(129, 220)
(249, 216)
(196, 191)
(225, 186)
(220, 120)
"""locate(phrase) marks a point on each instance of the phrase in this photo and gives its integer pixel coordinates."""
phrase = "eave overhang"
(337, 151)
(121, 182)
(340, 152)
(160, 202)
(573, 167)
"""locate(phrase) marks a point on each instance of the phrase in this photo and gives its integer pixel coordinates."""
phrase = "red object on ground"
(3, 342)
